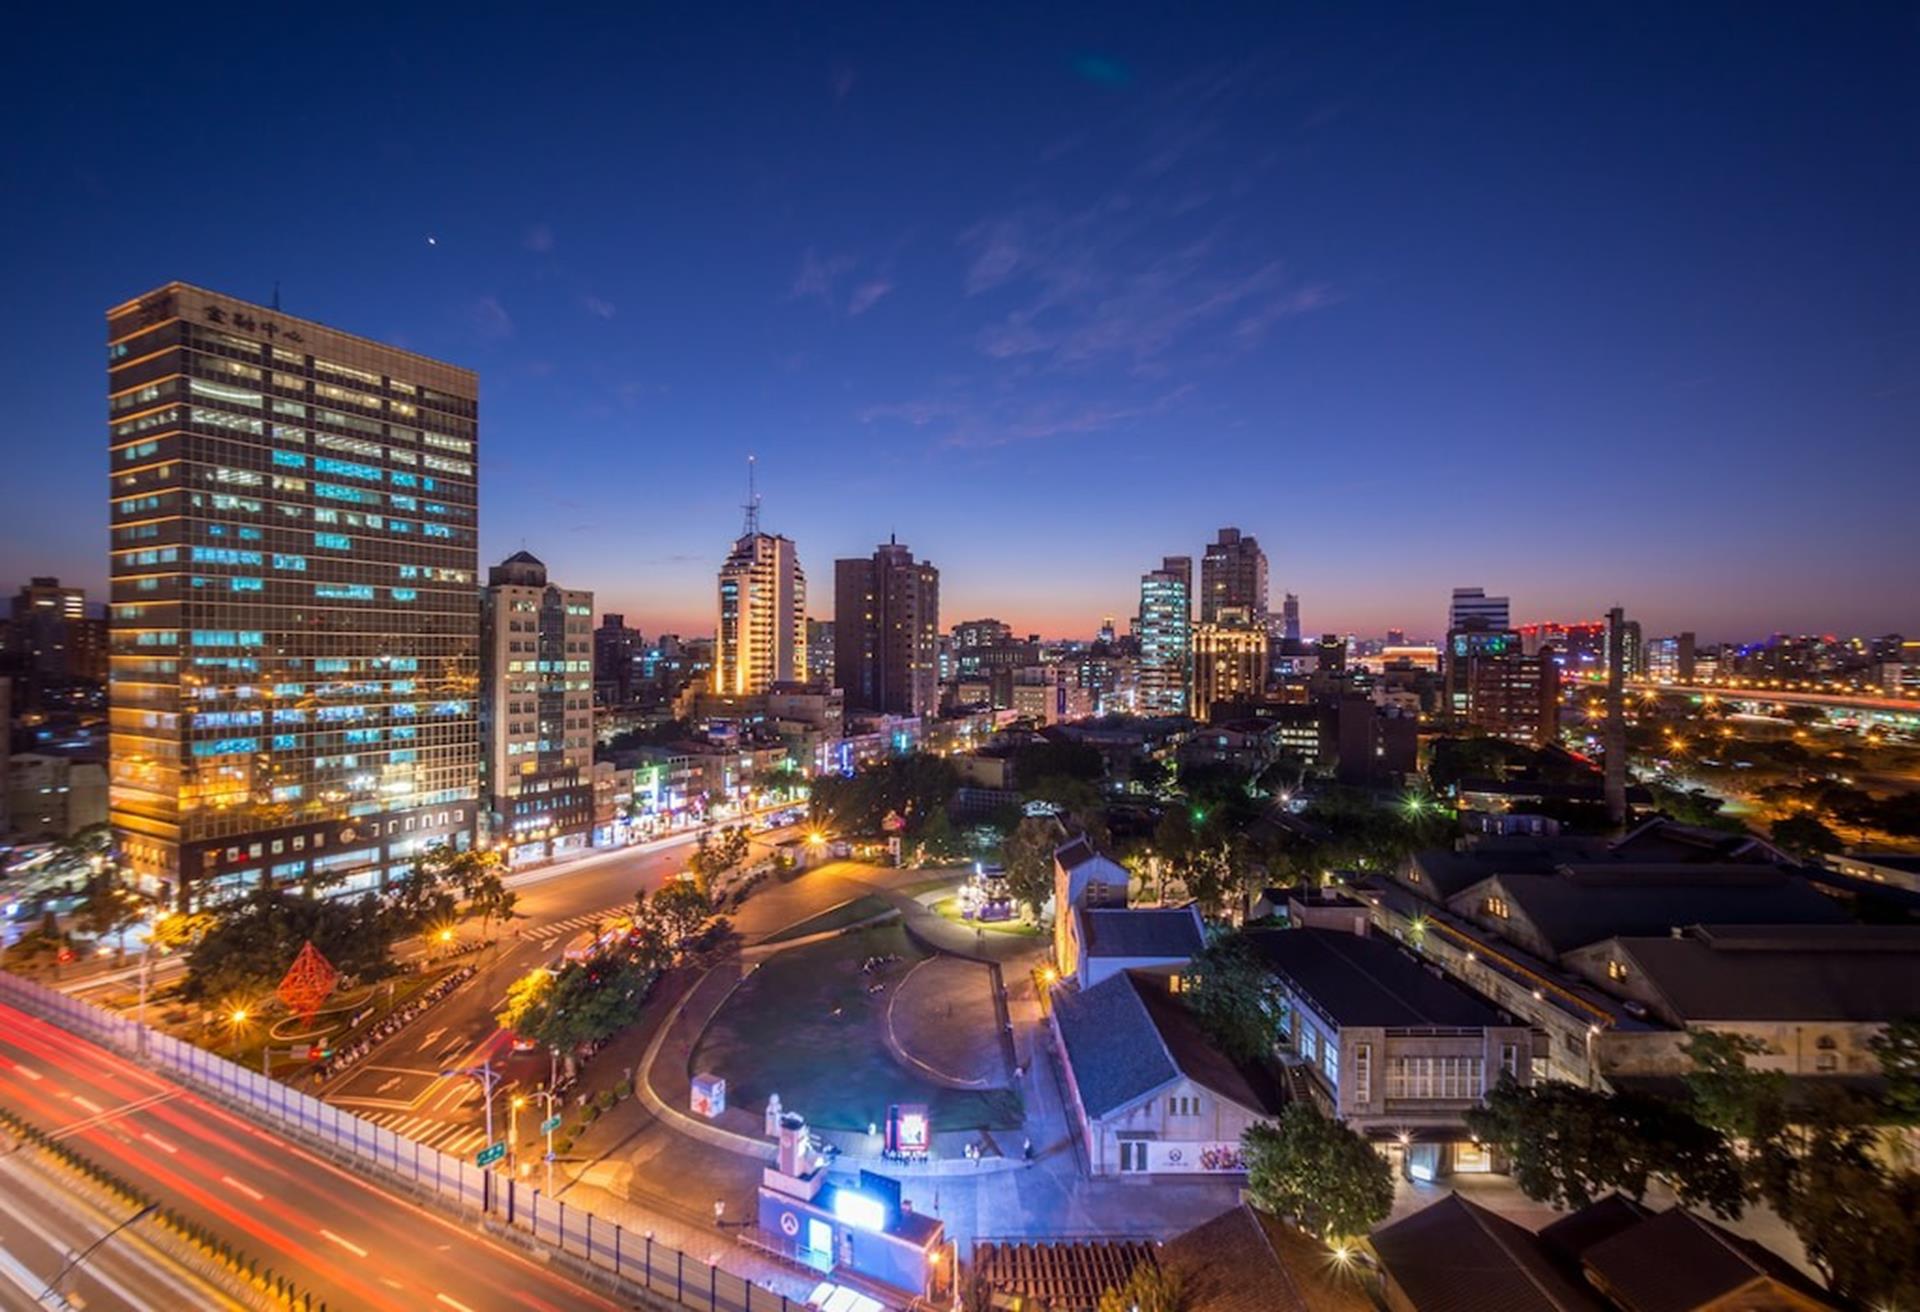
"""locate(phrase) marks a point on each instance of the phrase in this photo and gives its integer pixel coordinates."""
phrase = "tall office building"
(45, 617)
(1165, 629)
(294, 641)
(886, 630)
(1473, 608)
(762, 638)
(536, 711)
(1290, 618)
(1229, 661)
(1233, 576)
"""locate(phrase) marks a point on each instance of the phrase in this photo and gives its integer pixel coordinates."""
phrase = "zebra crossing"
(554, 930)
(448, 1136)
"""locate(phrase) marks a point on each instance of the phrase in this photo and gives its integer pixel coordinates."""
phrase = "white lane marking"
(159, 1143)
(453, 1303)
(390, 1082)
(29, 1072)
(248, 1190)
(424, 1043)
(347, 1244)
(89, 1104)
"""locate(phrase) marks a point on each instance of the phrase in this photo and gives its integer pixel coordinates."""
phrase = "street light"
(489, 1080)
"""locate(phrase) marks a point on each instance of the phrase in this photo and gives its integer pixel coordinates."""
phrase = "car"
(521, 1043)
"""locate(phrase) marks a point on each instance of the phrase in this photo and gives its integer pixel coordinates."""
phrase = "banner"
(1194, 1158)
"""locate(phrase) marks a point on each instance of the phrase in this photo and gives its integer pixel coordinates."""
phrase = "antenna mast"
(753, 504)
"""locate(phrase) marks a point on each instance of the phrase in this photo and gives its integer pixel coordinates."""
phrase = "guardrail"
(603, 1245)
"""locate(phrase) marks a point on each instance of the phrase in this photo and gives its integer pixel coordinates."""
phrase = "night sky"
(1612, 302)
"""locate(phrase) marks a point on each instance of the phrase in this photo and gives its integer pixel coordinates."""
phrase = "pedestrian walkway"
(550, 933)
(448, 1136)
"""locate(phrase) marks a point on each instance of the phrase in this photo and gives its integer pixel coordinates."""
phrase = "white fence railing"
(667, 1272)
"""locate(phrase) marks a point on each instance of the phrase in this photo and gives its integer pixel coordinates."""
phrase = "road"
(400, 1085)
(339, 1235)
(43, 1223)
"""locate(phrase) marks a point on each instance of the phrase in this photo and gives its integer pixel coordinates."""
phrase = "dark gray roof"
(1584, 903)
(1908, 861)
(1444, 872)
(1075, 853)
(1170, 932)
(1368, 981)
(1126, 1036)
(1246, 1260)
(1678, 1262)
(1456, 1256)
(1661, 839)
(524, 558)
(1573, 1234)
(1862, 973)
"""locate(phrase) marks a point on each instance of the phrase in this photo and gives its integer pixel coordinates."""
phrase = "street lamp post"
(546, 1127)
(489, 1080)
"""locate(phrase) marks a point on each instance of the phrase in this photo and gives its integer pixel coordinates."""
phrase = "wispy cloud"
(598, 308)
(490, 319)
(539, 239)
(960, 423)
(867, 295)
(817, 276)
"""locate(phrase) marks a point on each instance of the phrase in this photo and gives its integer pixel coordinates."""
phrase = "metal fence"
(667, 1272)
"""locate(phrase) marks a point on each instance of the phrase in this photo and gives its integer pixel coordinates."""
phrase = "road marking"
(430, 1038)
(248, 1190)
(90, 1105)
(388, 1085)
(159, 1143)
(453, 1303)
(29, 1072)
(351, 1247)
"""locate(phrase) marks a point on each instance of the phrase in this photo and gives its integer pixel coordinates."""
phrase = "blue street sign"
(492, 1153)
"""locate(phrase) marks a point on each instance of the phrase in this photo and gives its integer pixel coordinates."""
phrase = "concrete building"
(1148, 1092)
(616, 648)
(1165, 630)
(1229, 661)
(762, 638)
(1290, 619)
(45, 615)
(52, 796)
(1395, 1050)
(1473, 608)
(536, 711)
(295, 639)
(886, 617)
(1233, 577)
(1082, 879)
(1159, 941)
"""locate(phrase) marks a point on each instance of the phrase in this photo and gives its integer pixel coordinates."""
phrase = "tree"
(1027, 856)
(1570, 1145)
(1860, 1222)
(488, 897)
(713, 857)
(584, 1001)
(1325, 1176)
(1147, 1288)
(1726, 1093)
(1805, 835)
(680, 909)
(34, 953)
(1232, 994)
(1898, 1050)
(111, 909)
(253, 941)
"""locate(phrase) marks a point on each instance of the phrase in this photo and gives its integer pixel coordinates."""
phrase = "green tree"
(34, 953)
(1027, 856)
(1898, 1051)
(253, 941)
(714, 856)
(111, 909)
(680, 909)
(487, 896)
(1859, 1221)
(1569, 1145)
(582, 1002)
(1728, 1094)
(1232, 994)
(1325, 1176)
(1805, 836)
(1147, 1288)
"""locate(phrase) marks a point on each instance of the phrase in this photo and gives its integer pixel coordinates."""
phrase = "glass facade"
(1166, 637)
(295, 642)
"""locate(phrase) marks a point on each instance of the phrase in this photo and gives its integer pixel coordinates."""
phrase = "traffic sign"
(549, 1125)
(492, 1153)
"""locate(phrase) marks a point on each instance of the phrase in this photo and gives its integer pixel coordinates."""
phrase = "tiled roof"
(1245, 1260)
(1861, 973)
(1572, 1235)
(1167, 932)
(1678, 1262)
(1456, 1256)
(1077, 852)
(1584, 903)
(1368, 981)
(1127, 1036)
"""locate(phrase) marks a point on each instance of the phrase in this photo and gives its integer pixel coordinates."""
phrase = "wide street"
(400, 1085)
(336, 1233)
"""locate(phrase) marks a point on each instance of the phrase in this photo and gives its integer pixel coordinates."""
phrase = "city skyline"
(1146, 246)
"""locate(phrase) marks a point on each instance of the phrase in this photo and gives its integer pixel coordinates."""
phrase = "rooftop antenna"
(276, 294)
(753, 504)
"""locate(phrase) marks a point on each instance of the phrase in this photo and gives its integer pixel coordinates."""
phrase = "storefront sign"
(1194, 1158)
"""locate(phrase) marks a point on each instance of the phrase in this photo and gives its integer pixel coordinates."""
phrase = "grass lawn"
(950, 908)
(804, 1026)
(860, 908)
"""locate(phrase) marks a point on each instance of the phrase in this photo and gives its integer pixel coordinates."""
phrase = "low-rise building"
(1149, 1093)
(1156, 940)
(1082, 878)
(1397, 1050)
(52, 796)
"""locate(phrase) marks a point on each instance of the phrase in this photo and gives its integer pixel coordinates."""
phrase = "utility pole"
(489, 1080)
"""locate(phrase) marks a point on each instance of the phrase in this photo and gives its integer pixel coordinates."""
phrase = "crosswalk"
(449, 1137)
(554, 930)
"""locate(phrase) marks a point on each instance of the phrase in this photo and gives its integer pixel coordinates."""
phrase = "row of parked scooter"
(399, 1020)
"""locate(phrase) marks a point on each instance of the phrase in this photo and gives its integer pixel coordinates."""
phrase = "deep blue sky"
(1581, 303)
